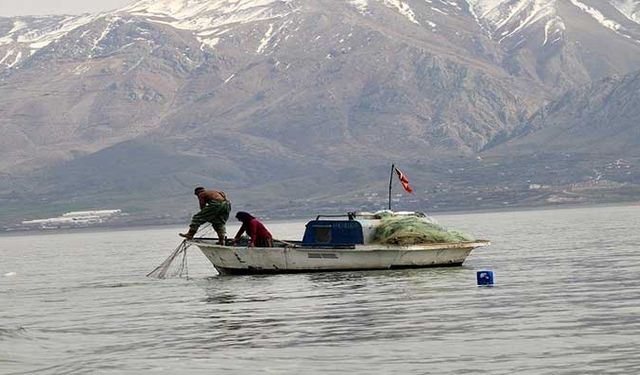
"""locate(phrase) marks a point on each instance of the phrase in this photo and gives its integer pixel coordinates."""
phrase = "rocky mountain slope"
(289, 100)
(604, 116)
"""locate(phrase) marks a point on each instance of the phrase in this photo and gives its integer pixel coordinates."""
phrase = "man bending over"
(214, 208)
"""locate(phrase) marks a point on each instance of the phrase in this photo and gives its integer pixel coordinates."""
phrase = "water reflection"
(322, 308)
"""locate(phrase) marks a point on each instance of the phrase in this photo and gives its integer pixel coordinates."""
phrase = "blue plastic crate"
(485, 278)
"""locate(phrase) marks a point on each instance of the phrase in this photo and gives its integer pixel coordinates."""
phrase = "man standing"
(214, 208)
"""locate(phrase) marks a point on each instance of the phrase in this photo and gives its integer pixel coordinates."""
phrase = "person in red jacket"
(257, 232)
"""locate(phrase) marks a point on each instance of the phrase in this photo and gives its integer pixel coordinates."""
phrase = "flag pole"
(393, 167)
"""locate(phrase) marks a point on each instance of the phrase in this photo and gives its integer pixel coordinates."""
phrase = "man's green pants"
(216, 213)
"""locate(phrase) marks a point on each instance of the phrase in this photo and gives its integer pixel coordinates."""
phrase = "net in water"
(171, 268)
(174, 265)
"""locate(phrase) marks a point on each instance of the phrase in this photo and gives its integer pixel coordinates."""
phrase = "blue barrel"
(485, 278)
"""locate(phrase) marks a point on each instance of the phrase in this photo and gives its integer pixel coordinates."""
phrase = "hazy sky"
(38, 7)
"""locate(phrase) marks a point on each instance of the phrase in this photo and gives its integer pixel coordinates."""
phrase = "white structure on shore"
(101, 213)
(74, 219)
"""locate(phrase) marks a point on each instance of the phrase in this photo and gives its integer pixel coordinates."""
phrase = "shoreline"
(128, 227)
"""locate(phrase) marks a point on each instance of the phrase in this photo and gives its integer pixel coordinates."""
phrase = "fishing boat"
(334, 243)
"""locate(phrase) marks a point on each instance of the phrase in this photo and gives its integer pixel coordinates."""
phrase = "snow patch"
(265, 40)
(506, 20)
(104, 34)
(629, 8)
(539, 11)
(203, 16)
(134, 65)
(16, 60)
(475, 15)
(17, 26)
(81, 69)
(403, 8)
(512, 16)
(553, 28)
(439, 11)
(208, 42)
(10, 36)
(8, 54)
(360, 5)
(40, 38)
(597, 15)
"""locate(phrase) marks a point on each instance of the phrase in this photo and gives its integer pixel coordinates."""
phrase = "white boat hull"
(245, 260)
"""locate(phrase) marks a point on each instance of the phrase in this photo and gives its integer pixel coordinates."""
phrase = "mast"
(393, 167)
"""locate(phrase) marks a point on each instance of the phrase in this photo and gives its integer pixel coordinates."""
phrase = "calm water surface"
(567, 301)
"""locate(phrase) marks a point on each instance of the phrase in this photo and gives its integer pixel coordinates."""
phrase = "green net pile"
(412, 230)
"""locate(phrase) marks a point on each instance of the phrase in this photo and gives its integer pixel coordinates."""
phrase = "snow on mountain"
(505, 19)
(403, 8)
(511, 23)
(11, 58)
(209, 19)
(30, 34)
(630, 8)
(40, 32)
(600, 17)
(361, 5)
(37, 39)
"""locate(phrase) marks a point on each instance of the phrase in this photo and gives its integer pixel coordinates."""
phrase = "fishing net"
(171, 268)
(414, 229)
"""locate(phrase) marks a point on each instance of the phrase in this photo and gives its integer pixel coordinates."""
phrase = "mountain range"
(295, 106)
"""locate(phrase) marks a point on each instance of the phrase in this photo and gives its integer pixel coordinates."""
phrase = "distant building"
(75, 219)
(101, 213)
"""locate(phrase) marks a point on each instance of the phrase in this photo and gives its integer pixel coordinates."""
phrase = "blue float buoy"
(485, 278)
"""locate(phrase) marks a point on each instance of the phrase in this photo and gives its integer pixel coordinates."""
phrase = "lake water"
(566, 301)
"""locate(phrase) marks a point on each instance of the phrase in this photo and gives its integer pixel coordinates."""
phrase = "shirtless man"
(214, 208)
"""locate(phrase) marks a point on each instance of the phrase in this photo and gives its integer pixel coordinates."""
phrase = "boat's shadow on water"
(341, 275)
(266, 311)
(223, 289)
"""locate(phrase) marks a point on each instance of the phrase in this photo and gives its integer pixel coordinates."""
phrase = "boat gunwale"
(370, 247)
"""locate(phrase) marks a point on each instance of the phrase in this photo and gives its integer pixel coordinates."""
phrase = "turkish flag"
(404, 180)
